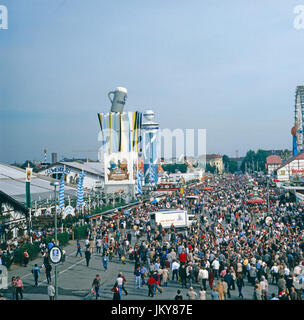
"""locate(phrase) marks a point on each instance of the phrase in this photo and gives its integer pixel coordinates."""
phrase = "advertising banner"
(119, 168)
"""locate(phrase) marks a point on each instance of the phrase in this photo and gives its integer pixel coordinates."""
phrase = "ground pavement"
(75, 280)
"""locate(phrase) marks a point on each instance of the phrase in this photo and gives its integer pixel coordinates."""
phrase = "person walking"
(191, 294)
(96, 285)
(78, 248)
(264, 287)
(121, 281)
(19, 288)
(211, 279)
(257, 292)
(216, 266)
(220, 289)
(228, 280)
(143, 272)
(98, 245)
(202, 294)
(137, 278)
(175, 267)
(204, 276)
(226, 289)
(14, 282)
(26, 258)
(48, 269)
(51, 291)
(240, 284)
(115, 290)
(178, 296)
(183, 275)
(105, 260)
(87, 254)
(165, 277)
(35, 272)
(151, 284)
(124, 283)
(281, 283)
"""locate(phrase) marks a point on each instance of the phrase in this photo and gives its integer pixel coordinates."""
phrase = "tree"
(25, 164)
(254, 161)
(175, 167)
(210, 168)
(229, 165)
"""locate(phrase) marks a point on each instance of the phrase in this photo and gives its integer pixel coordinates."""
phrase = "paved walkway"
(75, 280)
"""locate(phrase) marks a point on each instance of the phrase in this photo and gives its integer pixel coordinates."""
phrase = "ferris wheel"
(298, 129)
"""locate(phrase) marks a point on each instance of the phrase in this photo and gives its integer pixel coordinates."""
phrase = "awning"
(256, 200)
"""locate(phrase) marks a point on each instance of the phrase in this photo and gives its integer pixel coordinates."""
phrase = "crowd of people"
(230, 245)
(17, 286)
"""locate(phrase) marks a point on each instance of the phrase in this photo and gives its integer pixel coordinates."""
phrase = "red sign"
(297, 171)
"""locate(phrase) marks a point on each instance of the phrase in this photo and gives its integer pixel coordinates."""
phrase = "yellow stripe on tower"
(100, 120)
(133, 131)
(110, 125)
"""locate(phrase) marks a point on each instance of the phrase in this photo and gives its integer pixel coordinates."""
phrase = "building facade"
(291, 168)
(272, 163)
(215, 160)
(93, 180)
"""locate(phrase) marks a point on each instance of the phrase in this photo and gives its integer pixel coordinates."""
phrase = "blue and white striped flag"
(151, 174)
(80, 190)
(139, 182)
(61, 192)
(61, 189)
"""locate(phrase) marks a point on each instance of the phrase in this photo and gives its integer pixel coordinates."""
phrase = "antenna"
(45, 151)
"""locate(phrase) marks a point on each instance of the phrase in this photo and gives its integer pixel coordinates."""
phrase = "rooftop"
(12, 182)
(273, 159)
(299, 156)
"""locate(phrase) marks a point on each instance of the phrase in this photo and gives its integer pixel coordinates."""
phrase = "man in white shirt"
(51, 291)
(264, 287)
(216, 266)
(297, 270)
(175, 267)
(204, 275)
(98, 245)
(274, 271)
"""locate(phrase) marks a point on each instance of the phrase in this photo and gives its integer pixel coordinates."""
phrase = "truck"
(179, 219)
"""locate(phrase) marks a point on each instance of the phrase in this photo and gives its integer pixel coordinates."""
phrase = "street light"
(55, 184)
(268, 194)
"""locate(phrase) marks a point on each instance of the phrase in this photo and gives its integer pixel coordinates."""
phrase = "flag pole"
(28, 176)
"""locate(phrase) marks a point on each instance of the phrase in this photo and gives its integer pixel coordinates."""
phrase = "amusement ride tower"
(298, 130)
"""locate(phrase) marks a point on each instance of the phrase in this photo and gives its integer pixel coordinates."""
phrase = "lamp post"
(268, 194)
(55, 184)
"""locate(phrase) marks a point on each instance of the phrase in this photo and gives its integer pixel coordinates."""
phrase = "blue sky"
(231, 67)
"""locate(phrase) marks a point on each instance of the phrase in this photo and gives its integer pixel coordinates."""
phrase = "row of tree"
(253, 161)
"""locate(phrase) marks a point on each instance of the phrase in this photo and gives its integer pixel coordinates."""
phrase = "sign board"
(55, 255)
(57, 170)
(119, 168)
(28, 174)
(176, 217)
(297, 171)
(268, 221)
(68, 210)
